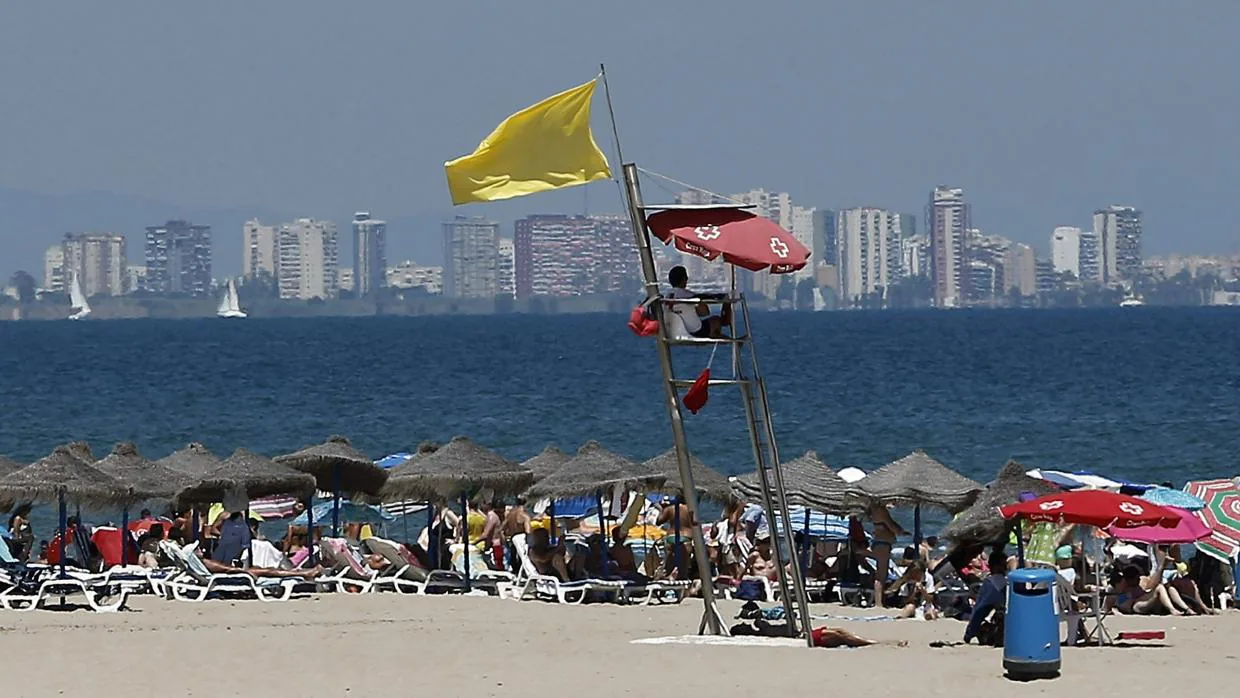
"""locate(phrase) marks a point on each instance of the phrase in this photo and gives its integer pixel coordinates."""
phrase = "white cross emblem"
(1051, 505)
(707, 232)
(779, 247)
(1130, 508)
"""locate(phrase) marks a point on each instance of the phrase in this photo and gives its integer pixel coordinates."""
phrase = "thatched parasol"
(808, 482)
(81, 451)
(337, 467)
(546, 462)
(708, 482)
(594, 469)
(916, 480)
(195, 459)
(459, 468)
(250, 474)
(149, 479)
(981, 522)
(61, 473)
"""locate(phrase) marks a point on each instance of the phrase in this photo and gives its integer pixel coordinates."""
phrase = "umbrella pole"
(602, 529)
(917, 526)
(309, 528)
(432, 549)
(465, 539)
(1020, 541)
(551, 524)
(193, 523)
(805, 546)
(676, 554)
(404, 519)
(64, 523)
(125, 536)
(336, 501)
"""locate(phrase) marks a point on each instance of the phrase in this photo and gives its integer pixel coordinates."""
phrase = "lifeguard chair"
(733, 234)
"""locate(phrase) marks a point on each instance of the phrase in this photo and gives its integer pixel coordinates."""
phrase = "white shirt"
(688, 313)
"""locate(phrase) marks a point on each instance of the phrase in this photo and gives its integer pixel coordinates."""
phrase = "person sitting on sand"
(915, 588)
(991, 597)
(697, 319)
(1143, 596)
(1179, 583)
(546, 559)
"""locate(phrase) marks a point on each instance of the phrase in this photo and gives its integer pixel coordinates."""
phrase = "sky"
(1041, 111)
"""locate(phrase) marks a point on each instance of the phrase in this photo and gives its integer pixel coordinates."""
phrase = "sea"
(1142, 394)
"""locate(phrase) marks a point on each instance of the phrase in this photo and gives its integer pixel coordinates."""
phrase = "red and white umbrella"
(1098, 508)
(740, 237)
(1221, 513)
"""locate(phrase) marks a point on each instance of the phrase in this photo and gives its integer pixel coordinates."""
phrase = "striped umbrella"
(1221, 514)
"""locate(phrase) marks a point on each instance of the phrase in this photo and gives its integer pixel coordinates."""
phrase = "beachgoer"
(1179, 584)
(886, 530)
(927, 549)
(1145, 596)
(22, 540)
(234, 538)
(697, 319)
(915, 588)
(760, 562)
(991, 597)
(546, 559)
(493, 533)
(220, 568)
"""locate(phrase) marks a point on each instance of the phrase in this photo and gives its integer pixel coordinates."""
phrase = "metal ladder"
(748, 377)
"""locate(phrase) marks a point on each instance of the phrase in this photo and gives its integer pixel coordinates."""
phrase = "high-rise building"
(869, 252)
(369, 254)
(178, 259)
(556, 255)
(915, 256)
(136, 280)
(1066, 250)
(803, 230)
(1047, 276)
(1020, 270)
(54, 269)
(1090, 257)
(98, 261)
(506, 280)
(471, 258)
(1118, 229)
(991, 251)
(410, 275)
(948, 218)
(308, 262)
(261, 253)
(824, 246)
(908, 225)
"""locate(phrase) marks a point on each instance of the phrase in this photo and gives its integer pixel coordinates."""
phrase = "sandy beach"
(341, 644)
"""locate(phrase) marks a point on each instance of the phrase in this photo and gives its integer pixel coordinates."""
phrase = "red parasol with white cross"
(740, 237)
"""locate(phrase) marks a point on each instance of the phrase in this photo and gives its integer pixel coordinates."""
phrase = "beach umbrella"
(1188, 530)
(393, 464)
(916, 480)
(196, 461)
(593, 469)
(455, 471)
(709, 483)
(1167, 497)
(546, 462)
(808, 482)
(62, 477)
(982, 522)
(249, 474)
(147, 478)
(1222, 514)
(338, 468)
(1097, 508)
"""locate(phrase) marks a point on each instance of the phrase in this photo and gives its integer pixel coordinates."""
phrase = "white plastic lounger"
(663, 591)
(531, 584)
(195, 582)
(17, 594)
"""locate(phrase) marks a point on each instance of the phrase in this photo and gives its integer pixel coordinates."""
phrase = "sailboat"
(77, 299)
(230, 305)
(820, 303)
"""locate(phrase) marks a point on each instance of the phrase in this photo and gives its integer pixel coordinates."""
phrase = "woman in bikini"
(1145, 596)
(886, 530)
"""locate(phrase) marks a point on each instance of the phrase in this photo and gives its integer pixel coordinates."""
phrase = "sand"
(391, 645)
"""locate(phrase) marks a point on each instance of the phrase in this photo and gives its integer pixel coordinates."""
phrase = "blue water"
(1145, 394)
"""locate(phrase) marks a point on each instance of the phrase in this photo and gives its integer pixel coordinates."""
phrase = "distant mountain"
(30, 222)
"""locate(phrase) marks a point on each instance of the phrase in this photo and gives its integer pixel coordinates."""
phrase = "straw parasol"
(195, 459)
(708, 482)
(149, 479)
(981, 522)
(62, 474)
(459, 468)
(916, 480)
(594, 469)
(337, 467)
(808, 482)
(248, 473)
(81, 451)
(546, 462)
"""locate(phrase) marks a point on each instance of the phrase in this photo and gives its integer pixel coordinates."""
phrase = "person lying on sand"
(823, 637)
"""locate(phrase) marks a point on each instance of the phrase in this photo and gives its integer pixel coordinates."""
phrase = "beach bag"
(750, 590)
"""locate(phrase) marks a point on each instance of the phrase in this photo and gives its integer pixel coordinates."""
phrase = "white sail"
(820, 303)
(230, 304)
(77, 300)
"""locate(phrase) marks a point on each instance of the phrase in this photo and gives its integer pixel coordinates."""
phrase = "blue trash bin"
(1031, 627)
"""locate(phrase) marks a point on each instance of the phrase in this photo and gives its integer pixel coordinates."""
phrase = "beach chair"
(405, 575)
(195, 582)
(347, 573)
(530, 584)
(26, 588)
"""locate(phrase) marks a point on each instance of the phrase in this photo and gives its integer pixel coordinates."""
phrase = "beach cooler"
(1031, 626)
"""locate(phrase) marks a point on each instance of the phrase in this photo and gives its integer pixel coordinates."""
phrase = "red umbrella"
(740, 237)
(1098, 508)
(1189, 529)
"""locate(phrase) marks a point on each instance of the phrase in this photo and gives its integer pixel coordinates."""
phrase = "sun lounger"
(530, 584)
(346, 573)
(195, 582)
(27, 588)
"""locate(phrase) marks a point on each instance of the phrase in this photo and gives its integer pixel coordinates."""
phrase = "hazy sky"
(1041, 111)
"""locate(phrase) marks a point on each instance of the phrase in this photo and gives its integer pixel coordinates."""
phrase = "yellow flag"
(546, 146)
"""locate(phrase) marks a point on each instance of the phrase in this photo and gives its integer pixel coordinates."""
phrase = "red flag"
(697, 394)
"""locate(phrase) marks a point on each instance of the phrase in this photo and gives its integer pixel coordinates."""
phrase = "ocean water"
(1145, 394)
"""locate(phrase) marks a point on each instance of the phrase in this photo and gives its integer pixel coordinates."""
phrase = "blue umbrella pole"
(465, 538)
(64, 524)
(309, 529)
(676, 555)
(125, 535)
(551, 528)
(917, 527)
(193, 524)
(249, 537)
(432, 548)
(336, 501)
(805, 546)
(1020, 541)
(602, 529)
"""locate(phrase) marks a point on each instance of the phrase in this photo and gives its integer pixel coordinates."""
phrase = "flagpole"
(611, 113)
